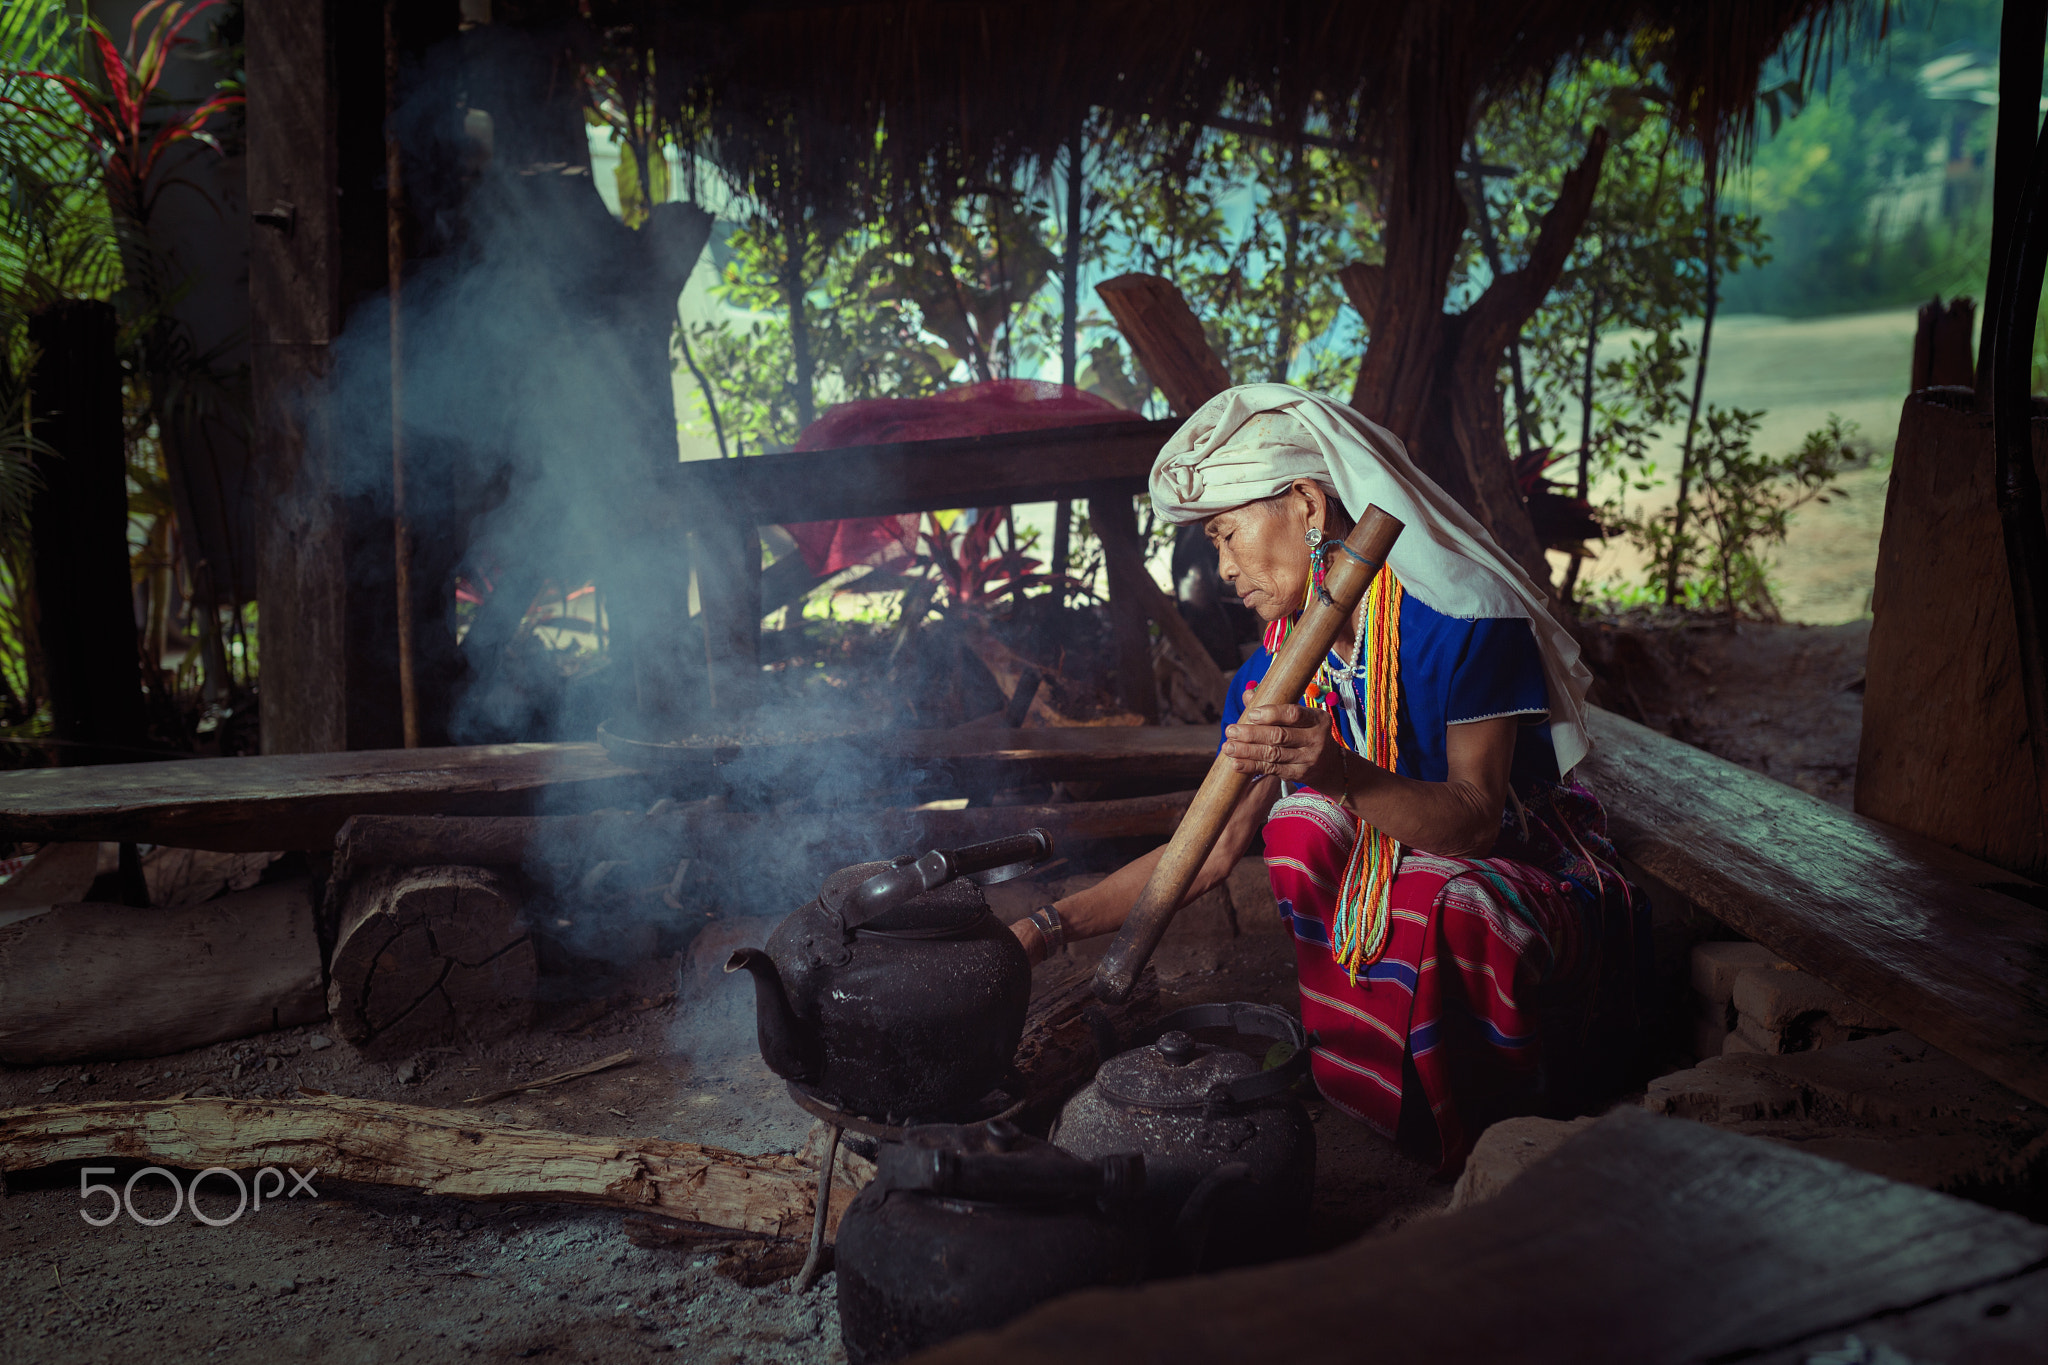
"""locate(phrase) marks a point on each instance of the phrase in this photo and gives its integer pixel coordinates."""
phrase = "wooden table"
(299, 800)
(1643, 1241)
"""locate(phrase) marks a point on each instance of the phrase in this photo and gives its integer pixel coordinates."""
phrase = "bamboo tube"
(1346, 583)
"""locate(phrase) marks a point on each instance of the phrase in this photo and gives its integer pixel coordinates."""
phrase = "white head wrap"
(1255, 440)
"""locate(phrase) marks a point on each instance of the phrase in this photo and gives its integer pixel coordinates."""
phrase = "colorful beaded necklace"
(1358, 932)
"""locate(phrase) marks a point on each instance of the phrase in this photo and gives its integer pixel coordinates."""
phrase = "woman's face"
(1263, 553)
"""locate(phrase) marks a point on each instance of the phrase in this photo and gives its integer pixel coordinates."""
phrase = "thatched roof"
(919, 93)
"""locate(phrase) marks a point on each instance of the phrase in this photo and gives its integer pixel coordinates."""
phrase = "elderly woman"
(1440, 876)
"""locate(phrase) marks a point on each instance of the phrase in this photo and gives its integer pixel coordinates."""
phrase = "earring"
(1314, 538)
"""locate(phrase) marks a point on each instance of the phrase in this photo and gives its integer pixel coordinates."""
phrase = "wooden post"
(1167, 339)
(728, 563)
(1941, 345)
(1116, 524)
(78, 531)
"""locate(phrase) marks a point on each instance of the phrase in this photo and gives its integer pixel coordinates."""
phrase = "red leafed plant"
(112, 120)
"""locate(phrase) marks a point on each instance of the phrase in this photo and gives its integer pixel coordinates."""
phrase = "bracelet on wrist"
(1050, 927)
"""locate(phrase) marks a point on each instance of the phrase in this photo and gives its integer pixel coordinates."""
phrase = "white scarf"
(1255, 440)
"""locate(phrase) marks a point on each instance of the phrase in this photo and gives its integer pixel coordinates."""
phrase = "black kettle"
(964, 1228)
(897, 994)
(1227, 1146)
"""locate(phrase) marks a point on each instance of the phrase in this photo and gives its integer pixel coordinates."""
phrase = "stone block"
(1891, 1105)
(1750, 1036)
(1709, 1038)
(1507, 1149)
(1715, 966)
(1780, 997)
(1725, 1089)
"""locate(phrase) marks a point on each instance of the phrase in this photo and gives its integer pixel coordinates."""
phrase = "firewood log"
(430, 955)
(89, 981)
(436, 1151)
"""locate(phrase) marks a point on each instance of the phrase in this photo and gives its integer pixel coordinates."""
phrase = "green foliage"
(1740, 504)
(1875, 145)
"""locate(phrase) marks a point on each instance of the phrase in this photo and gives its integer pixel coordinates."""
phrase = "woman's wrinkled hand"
(1290, 742)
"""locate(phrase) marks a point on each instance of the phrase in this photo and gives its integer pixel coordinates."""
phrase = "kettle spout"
(783, 1037)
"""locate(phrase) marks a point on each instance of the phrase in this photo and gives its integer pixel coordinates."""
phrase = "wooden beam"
(1167, 338)
(1879, 914)
(451, 1153)
(301, 800)
(912, 476)
(727, 558)
(372, 841)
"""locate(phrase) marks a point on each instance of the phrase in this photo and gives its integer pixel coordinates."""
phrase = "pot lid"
(948, 909)
(998, 1162)
(1176, 1072)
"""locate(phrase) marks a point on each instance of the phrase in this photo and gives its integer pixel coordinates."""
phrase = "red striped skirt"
(1472, 941)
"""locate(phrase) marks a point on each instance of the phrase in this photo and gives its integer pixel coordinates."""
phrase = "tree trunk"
(430, 955)
(78, 532)
(1430, 377)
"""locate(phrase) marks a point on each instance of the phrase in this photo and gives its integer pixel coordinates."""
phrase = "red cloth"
(969, 410)
(1470, 942)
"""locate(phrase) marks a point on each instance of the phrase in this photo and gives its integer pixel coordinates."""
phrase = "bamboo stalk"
(1300, 656)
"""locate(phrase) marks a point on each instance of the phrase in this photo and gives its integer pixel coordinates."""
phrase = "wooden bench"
(1903, 925)
(287, 801)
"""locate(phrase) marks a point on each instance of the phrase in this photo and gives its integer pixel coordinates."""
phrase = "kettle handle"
(886, 890)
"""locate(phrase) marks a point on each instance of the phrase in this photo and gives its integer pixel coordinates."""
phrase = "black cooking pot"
(964, 1228)
(897, 994)
(1225, 1140)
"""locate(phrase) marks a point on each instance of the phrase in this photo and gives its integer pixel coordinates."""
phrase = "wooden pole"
(1116, 526)
(2022, 28)
(1070, 358)
(394, 254)
(1346, 584)
(2018, 300)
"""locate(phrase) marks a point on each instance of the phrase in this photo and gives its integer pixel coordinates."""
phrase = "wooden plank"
(302, 800)
(1167, 338)
(915, 476)
(1643, 1241)
(1873, 911)
(452, 1153)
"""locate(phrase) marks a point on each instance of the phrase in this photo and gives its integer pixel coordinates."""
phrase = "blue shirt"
(1451, 670)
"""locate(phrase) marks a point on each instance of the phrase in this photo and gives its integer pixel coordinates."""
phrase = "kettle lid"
(1176, 1072)
(952, 908)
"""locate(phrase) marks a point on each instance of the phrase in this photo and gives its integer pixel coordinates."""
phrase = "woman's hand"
(1292, 743)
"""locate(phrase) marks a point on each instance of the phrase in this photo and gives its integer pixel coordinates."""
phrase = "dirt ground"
(362, 1273)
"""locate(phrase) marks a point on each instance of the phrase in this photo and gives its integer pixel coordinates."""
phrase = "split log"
(435, 1151)
(430, 955)
(1167, 338)
(382, 841)
(90, 981)
(59, 874)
